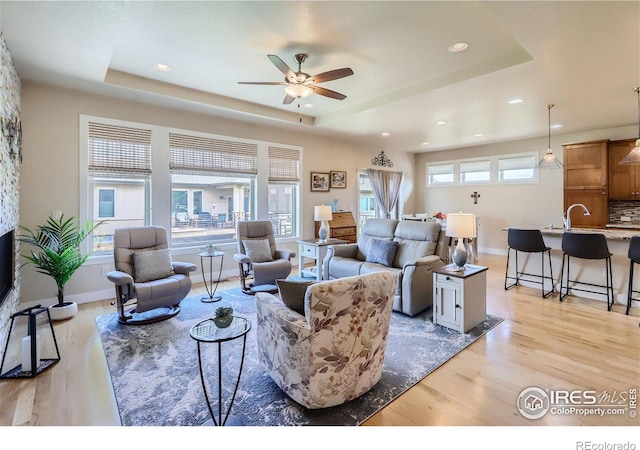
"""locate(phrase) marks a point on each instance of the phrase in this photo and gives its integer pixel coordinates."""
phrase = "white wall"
(500, 206)
(50, 180)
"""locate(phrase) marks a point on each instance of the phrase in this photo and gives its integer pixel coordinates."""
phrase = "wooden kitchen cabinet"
(586, 181)
(624, 180)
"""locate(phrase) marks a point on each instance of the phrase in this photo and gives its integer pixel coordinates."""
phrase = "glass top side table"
(206, 331)
(212, 286)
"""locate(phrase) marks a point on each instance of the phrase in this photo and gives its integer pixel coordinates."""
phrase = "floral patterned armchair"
(334, 353)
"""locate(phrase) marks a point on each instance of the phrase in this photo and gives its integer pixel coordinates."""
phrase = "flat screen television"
(7, 265)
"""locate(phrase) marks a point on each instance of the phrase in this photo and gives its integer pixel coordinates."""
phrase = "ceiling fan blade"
(288, 100)
(328, 93)
(271, 83)
(332, 75)
(282, 66)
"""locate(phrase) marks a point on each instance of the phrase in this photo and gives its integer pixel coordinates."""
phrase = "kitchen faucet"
(567, 220)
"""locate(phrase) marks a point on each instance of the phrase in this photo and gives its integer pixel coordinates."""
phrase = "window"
(119, 170)
(214, 177)
(284, 182)
(440, 174)
(517, 168)
(106, 203)
(475, 171)
(205, 183)
(366, 200)
(197, 202)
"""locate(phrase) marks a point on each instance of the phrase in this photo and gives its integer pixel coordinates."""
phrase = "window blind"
(440, 169)
(200, 155)
(118, 151)
(516, 163)
(284, 164)
(475, 166)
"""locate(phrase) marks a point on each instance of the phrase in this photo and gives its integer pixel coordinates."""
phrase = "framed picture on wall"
(319, 182)
(338, 179)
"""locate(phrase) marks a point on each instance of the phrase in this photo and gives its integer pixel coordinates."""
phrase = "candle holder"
(32, 364)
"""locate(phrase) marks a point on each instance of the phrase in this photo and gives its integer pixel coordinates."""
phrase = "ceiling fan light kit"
(300, 84)
(633, 158)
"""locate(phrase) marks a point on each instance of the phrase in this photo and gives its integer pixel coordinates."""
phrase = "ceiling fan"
(299, 84)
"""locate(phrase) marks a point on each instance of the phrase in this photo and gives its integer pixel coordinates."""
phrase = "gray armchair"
(146, 273)
(259, 262)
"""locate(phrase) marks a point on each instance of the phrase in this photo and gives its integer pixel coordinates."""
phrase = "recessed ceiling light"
(477, 135)
(515, 101)
(557, 125)
(386, 134)
(162, 67)
(458, 47)
(425, 143)
(441, 122)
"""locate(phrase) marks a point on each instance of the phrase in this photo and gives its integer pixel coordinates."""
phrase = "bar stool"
(528, 241)
(634, 257)
(586, 246)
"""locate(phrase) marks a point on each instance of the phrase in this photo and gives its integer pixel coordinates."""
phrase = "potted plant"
(57, 253)
(223, 317)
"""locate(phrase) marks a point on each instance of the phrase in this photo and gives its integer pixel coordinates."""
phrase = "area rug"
(155, 374)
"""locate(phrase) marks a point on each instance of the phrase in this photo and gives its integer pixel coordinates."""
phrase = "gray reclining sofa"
(421, 247)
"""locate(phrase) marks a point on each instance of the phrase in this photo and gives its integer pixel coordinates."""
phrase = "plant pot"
(224, 321)
(64, 311)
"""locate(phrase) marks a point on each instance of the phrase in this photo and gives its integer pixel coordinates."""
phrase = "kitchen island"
(592, 271)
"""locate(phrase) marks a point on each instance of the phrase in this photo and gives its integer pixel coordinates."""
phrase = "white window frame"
(440, 168)
(494, 162)
(534, 156)
(476, 166)
(158, 187)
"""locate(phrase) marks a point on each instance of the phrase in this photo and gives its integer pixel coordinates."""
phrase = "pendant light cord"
(638, 92)
(549, 106)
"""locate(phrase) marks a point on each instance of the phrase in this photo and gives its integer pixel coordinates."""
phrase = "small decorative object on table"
(223, 317)
(440, 217)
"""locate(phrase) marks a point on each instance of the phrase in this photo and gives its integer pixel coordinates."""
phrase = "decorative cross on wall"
(475, 197)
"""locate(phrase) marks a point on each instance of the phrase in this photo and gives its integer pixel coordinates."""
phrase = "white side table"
(314, 249)
(459, 297)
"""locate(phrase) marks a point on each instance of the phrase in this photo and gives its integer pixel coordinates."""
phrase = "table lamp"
(323, 214)
(460, 226)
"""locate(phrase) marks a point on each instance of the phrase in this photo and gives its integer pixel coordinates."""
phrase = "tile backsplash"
(626, 208)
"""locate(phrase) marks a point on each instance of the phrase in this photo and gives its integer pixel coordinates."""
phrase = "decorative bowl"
(224, 321)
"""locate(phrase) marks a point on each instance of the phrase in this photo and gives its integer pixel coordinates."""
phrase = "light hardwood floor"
(572, 345)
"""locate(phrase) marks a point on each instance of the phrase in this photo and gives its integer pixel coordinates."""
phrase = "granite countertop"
(617, 235)
(625, 225)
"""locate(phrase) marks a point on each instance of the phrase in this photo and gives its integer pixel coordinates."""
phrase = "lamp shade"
(298, 90)
(461, 225)
(322, 213)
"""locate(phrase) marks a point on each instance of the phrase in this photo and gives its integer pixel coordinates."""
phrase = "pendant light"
(549, 161)
(633, 158)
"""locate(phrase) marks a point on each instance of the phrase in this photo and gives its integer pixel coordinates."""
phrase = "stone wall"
(9, 174)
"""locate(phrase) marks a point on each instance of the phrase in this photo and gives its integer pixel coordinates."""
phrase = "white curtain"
(386, 189)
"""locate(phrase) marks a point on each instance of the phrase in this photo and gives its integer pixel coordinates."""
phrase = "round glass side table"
(212, 286)
(206, 331)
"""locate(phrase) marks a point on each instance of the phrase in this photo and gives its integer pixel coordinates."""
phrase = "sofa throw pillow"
(258, 250)
(381, 251)
(152, 265)
(292, 293)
